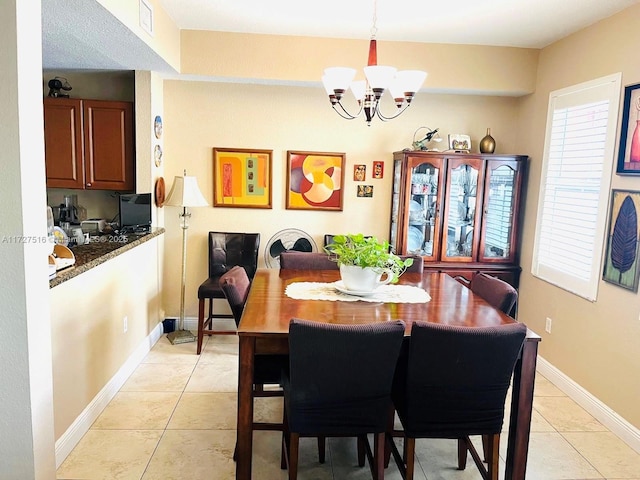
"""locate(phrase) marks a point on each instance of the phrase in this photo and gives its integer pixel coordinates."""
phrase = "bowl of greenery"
(366, 253)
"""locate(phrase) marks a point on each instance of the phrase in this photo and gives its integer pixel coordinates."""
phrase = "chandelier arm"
(397, 114)
(345, 113)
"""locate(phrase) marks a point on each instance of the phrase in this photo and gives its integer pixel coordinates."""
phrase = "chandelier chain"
(374, 28)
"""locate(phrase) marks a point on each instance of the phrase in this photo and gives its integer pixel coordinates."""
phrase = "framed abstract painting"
(621, 260)
(315, 180)
(242, 178)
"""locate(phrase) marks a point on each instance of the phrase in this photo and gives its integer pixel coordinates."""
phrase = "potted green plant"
(357, 253)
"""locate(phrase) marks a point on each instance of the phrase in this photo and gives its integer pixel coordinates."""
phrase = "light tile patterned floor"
(175, 418)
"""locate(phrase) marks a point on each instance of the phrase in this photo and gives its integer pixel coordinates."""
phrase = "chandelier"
(402, 85)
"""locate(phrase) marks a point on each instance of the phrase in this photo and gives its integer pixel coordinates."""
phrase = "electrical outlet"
(547, 325)
(125, 324)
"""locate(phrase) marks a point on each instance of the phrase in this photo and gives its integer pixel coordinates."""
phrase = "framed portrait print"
(378, 169)
(315, 180)
(359, 173)
(629, 151)
(242, 178)
(621, 260)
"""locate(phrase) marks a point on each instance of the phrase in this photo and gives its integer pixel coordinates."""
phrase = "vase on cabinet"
(488, 143)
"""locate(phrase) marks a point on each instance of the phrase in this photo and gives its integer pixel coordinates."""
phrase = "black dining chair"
(226, 250)
(235, 285)
(306, 261)
(452, 383)
(339, 384)
(494, 290)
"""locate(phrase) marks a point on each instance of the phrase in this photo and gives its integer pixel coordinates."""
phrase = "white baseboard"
(69, 439)
(605, 415)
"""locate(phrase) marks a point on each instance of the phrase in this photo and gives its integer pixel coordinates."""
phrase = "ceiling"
(516, 23)
(71, 41)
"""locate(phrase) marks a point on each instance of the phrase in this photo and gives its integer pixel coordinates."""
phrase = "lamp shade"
(185, 193)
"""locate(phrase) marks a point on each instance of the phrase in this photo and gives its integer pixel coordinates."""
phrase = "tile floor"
(175, 417)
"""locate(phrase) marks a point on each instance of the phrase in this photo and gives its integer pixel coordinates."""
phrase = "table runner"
(384, 293)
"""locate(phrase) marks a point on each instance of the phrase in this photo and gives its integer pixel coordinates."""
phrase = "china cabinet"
(459, 211)
(89, 144)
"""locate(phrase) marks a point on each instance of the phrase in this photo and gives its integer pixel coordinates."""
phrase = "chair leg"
(286, 440)
(409, 456)
(404, 451)
(378, 456)
(485, 447)
(210, 317)
(321, 448)
(493, 457)
(361, 451)
(462, 453)
(293, 456)
(200, 325)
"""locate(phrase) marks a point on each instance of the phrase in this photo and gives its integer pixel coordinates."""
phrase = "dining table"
(270, 306)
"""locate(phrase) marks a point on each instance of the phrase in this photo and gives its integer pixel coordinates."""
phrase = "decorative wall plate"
(157, 155)
(159, 192)
(157, 126)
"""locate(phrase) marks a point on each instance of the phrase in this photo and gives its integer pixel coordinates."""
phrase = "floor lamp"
(184, 193)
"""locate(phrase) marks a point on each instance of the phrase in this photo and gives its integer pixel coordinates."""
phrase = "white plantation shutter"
(574, 189)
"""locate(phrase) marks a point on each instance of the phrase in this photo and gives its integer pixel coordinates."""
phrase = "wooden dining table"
(264, 329)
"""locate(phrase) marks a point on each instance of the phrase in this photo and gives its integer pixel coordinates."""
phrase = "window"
(574, 188)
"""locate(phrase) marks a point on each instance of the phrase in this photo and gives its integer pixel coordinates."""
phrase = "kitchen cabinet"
(89, 144)
(459, 211)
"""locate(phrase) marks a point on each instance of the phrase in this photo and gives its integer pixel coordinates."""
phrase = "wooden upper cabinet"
(108, 145)
(63, 142)
(89, 144)
(459, 211)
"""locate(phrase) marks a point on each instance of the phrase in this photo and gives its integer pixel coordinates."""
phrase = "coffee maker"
(69, 210)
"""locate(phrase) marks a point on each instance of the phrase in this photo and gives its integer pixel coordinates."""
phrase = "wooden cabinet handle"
(88, 184)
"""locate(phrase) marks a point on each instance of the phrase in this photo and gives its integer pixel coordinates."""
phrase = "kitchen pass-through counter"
(101, 249)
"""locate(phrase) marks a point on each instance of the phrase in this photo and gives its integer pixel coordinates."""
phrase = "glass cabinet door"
(498, 235)
(423, 212)
(460, 230)
(396, 221)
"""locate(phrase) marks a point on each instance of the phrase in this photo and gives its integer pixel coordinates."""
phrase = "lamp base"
(181, 336)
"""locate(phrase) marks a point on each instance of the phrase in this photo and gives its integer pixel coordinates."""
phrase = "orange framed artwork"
(242, 178)
(315, 180)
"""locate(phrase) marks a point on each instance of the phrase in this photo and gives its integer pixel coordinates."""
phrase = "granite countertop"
(99, 250)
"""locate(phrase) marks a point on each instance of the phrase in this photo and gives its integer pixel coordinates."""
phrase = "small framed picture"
(378, 169)
(365, 191)
(629, 151)
(359, 173)
(459, 142)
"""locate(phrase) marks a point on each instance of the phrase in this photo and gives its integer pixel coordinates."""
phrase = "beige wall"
(451, 68)
(88, 341)
(595, 344)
